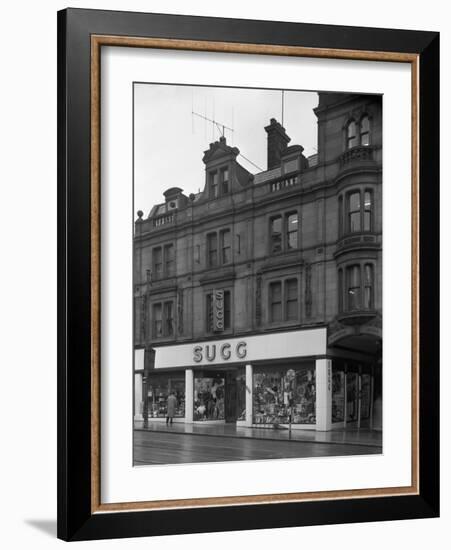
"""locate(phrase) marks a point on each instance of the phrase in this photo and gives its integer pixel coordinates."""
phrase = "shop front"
(261, 380)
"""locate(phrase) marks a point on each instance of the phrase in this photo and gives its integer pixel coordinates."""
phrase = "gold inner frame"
(97, 41)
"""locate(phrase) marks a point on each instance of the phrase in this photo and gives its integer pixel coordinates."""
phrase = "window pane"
(354, 202)
(169, 321)
(365, 131)
(367, 211)
(158, 320)
(292, 231)
(340, 216)
(212, 246)
(291, 296)
(368, 296)
(353, 290)
(354, 222)
(351, 135)
(226, 246)
(340, 290)
(170, 260)
(214, 185)
(157, 263)
(276, 234)
(275, 293)
(225, 181)
(351, 396)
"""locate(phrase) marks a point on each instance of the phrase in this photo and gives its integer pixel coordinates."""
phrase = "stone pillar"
(323, 394)
(189, 396)
(138, 396)
(249, 396)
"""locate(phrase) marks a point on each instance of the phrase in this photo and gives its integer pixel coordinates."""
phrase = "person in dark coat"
(172, 405)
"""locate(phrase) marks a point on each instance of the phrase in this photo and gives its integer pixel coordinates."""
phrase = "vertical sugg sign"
(218, 311)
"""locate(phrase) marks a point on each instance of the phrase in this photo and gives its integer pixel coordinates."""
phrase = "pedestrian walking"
(172, 404)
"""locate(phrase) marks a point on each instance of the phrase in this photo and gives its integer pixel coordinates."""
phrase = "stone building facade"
(259, 299)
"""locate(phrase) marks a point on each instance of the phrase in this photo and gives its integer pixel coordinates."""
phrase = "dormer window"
(224, 181)
(214, 187)
(219, 183)
(358, 133)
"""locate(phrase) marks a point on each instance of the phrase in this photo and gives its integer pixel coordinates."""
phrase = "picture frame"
(81, 36)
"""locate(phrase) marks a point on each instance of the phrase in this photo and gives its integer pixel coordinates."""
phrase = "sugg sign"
(226, 352)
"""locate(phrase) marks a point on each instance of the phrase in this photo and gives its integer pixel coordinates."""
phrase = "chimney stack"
(277, 143)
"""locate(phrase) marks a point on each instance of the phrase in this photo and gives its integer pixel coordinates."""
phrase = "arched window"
(364, 131)
(351, 134)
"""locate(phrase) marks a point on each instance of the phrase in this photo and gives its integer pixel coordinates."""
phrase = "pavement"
(163, 446)
(351, 436)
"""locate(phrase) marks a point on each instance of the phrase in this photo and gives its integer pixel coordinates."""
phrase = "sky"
(170, 141)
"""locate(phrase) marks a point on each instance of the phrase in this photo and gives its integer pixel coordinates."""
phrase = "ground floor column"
(138, 396)
(323, 394)
(189, 396)
(248, 421)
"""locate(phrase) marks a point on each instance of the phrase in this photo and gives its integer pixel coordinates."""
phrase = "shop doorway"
(230, 403)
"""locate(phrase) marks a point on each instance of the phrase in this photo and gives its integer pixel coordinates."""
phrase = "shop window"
(208, 398)
(284, 232)
(365, 400)
(215, 311)
(284, 393)
(158, 390)
(219, 248)
(338, 395)
(163, 259)
(241, 394)
(163, 319)
(283, 301)
(351, 134)
(352, 396)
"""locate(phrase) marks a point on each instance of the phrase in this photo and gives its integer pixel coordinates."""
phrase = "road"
(176, 448)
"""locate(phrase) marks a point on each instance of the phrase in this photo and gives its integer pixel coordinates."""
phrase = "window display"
(283, 392)
(241, 395)
(158, 390)
(365, 397)
(208, 398)
(338, 395)
(352, 396)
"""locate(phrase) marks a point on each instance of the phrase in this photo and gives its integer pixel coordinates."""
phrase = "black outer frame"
(75, 520)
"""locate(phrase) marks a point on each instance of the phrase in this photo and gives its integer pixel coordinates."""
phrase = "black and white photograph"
(257, 287)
